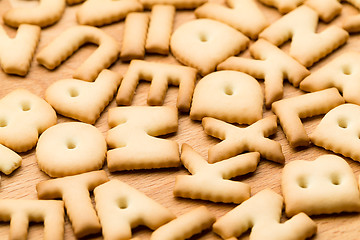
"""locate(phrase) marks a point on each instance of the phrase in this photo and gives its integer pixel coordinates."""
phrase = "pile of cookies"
(249, 108)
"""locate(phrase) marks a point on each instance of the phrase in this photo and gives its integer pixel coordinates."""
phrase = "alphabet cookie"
(204, 43)
(272, 65)
(218, 187)
(74, 191)
(283, 6)
(23, 116)
(9, 160)
(132, 138)
(329, 9)
(179, 4)
(82, 100)
(338, 131)
(230, 96)
(236, 140)
(262, 214)
(70, 148)
(326, 185)
(307, 46)
(65, 44)
(160, 75)
(121, 208)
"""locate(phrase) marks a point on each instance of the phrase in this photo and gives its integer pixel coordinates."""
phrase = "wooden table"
(158, 184)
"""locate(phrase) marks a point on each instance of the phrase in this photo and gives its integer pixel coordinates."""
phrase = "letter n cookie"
(262, 213)
(326, 185)
(132, 138)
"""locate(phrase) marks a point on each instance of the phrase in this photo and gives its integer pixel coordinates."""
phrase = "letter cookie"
(352, 24)
(74, 191)
(243, 15)
(328, 9)
(133, 138)
(12, 60)
(307, 46)
(9, 160)
(326, 185)
(64, 45)
(45, 14)
(272, 65)
(160, 75)
(283, 6)
(185, 226)
(20, 212)
(343, 73)
(218, 187)
(231, 96)
(70, 148)
(204, 43)
(262, 214)
(291, 110)
(179, 4)
(82, 100)
(338, 131)
(236, 140)
(102, 12)
(121, 208)
(23, 116)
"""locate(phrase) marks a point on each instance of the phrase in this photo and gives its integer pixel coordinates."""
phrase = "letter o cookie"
(70, 148)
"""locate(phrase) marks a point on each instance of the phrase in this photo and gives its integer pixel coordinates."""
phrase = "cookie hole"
(203, 37)
(25, 106)
(346, 70)
(342, 123)
(122, 203)
(302, 182)
(229, 90)
(70, 144)
(73, 92)
(3, 122)
(335, 179)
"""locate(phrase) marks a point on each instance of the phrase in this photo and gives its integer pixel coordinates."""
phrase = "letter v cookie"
(65, 44)
(82, 100)
(132, 138)
(121, 208)
(261, 213)
(218, 187)
(236, 140)
(307, 46)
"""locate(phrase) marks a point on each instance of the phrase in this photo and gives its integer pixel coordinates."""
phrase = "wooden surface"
(158, 184)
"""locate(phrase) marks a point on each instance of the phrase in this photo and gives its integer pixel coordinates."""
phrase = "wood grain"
(158, 184)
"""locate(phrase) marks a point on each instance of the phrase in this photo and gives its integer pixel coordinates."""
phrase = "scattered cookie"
(283, 6)
(271, 64)
(70, 148)
(72, 2)
(329, 9)
(134, 37)
(160, 29)
(82, 100)
(20, 212)
(338, 131)
(9, 160)
(74, 191)
(236, 140)
(132, 138)
(343, 73)
(243, 15)
(121, 207)
(291, 110)
(218, 187)
(23, 116)
(65, 44)
(185, 226)
(326, 185)
(262, 213)
(352, 24)
(230, 96)
(160, 75)
(102, 12)
(45, 14)
(204, 43)
(179, 4)
(18, 62)
(307, 46)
